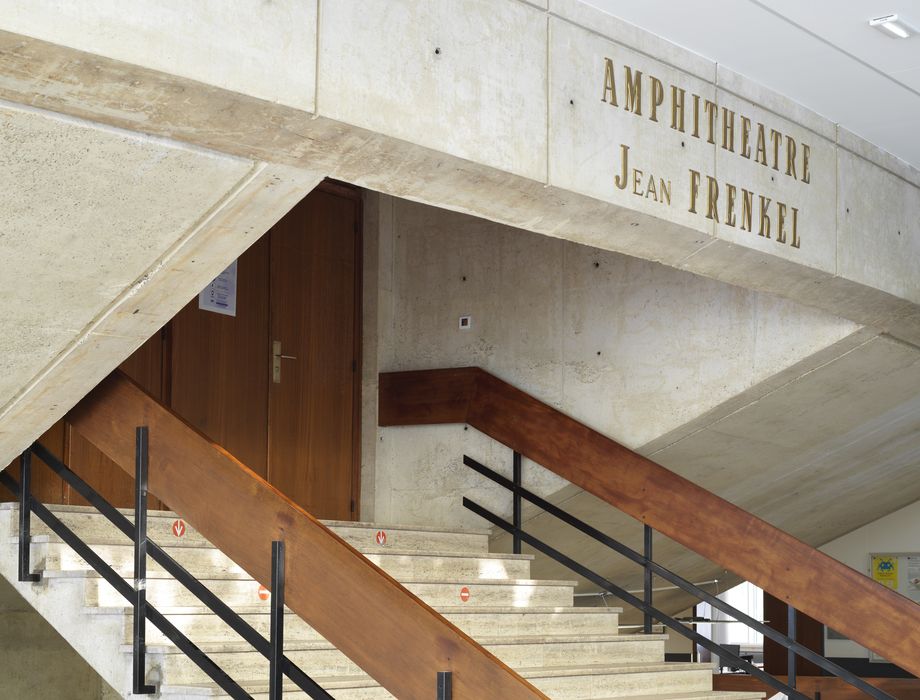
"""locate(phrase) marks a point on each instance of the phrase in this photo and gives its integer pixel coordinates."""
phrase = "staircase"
(567, 652)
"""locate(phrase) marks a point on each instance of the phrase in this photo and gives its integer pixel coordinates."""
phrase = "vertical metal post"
(648, 577)
(517, 502)
(140, 562)
(277, 622)
(445, 685)
(791, 633)
(25, 518)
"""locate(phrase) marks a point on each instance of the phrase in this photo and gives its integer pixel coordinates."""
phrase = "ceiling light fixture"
(893, 26)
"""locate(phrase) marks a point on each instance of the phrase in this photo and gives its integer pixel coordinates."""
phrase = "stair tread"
(488, 640)
(693, 695)
(447, 609)
(353, 681)
(160, 574)
(170, 515)
(369, 549)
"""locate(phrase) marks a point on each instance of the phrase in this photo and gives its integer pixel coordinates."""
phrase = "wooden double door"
(277, 384)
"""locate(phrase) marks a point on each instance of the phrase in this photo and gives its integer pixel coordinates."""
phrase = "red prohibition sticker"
(381, 538)
(464, 594)
(178, 528)
(263, 593)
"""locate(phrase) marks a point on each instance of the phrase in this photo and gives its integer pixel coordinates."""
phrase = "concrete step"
(95, 529)
(320, 658)
(653, 681)
(519, 593)
(205, 627)
(49, 553)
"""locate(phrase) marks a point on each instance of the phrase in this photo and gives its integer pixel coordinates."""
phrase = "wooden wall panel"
(46, 485)
(809, 632)
(221, 365)
(145, 367)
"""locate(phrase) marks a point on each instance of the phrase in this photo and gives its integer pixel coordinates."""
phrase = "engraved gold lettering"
(696, 116)
(694, 189)
(728, 129)
(745, 137)
(657, 97)
(712, 110)
(796, 241)
(777, 138)
(747, 210)
(665, 189)
(790, 157)
(806, 173)
(712, 210)
(634, 91)
(637, 176)
(730, 204)
(764, 216)
(610, 83)
(621, 179)
(677, 108)
(761, 156)
(650, 189)
(780, 222)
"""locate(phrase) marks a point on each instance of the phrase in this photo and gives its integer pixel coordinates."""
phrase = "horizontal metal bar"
(599, 580)
(684, 584)
(640, 590)
(181, 574)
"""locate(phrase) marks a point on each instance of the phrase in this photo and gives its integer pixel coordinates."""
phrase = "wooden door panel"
(312, 428)
(220, 365)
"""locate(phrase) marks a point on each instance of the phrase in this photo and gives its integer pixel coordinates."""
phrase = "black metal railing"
(651, 569)
(272, 649)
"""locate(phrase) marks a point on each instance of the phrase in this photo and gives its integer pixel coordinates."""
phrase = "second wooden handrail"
(378, 624)
(811, 581)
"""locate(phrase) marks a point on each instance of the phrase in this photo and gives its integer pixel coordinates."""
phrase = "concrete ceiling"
(821, 53)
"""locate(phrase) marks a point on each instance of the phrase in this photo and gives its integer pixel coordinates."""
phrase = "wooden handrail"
(386, 630)
(818, 585)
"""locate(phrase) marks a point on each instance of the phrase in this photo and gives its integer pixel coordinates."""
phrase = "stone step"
(205, 627)
(49, 553)
(518, 593)
(653, 681)
(322, 659)
(94, 528)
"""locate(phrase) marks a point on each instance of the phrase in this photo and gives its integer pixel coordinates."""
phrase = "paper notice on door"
(220, 295)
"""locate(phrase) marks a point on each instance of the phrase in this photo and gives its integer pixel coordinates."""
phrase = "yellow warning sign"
(885, 570)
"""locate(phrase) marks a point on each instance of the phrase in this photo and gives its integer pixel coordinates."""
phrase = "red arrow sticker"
(381, 538)
(263, 593)
(464, 594)
(178, 528)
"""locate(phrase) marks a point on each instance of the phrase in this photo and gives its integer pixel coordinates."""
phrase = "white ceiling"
(821, 53)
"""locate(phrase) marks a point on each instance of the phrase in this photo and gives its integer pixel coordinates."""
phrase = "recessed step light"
(893, 26)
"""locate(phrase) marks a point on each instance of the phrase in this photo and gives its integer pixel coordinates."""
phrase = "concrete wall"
(632, 348)
(35, 661)
(897, 532)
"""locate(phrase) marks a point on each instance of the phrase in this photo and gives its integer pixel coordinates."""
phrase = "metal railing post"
(648, 578)
(141, 444)
(25, 518)
(791, 633)
(277, 622)
(517, 502)
(445, 685)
